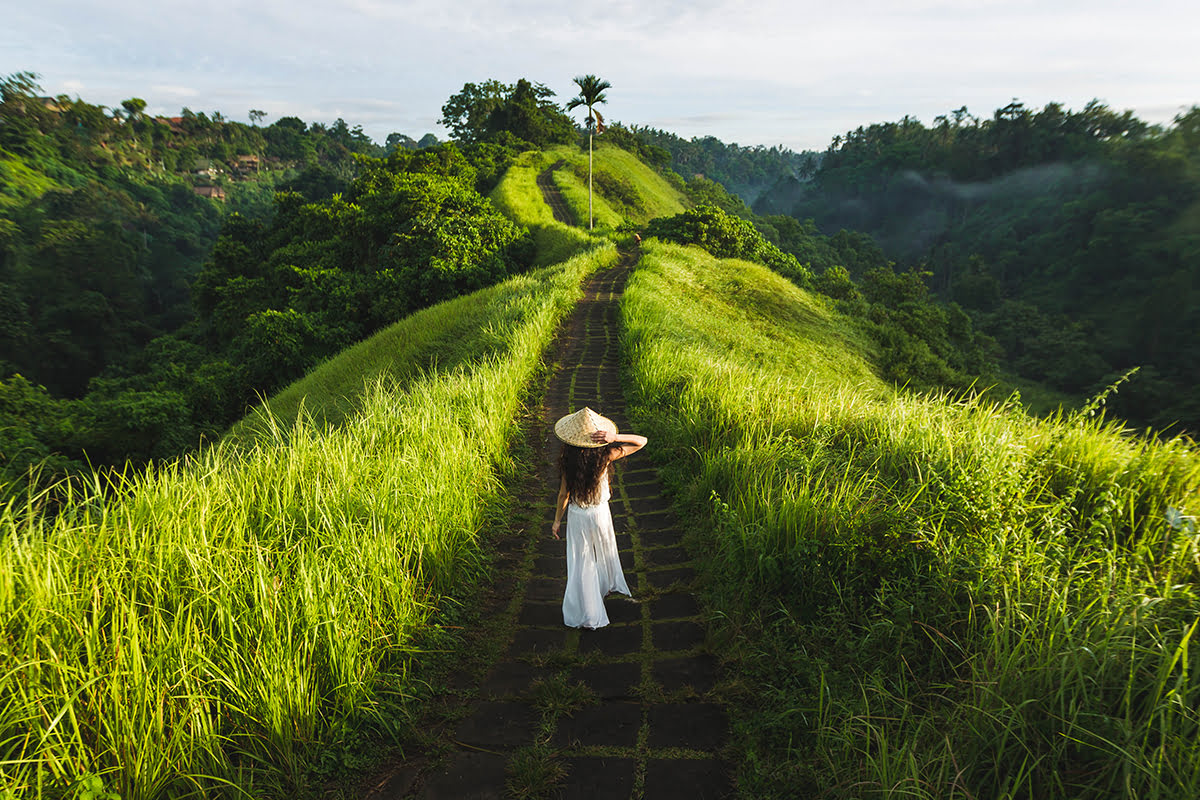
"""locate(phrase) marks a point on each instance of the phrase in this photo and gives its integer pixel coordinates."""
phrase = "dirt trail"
(622, 712)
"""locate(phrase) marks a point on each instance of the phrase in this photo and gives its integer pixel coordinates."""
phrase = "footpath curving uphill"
(627, 711)
(552, 196)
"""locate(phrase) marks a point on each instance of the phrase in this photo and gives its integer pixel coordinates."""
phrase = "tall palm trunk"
(591, 92)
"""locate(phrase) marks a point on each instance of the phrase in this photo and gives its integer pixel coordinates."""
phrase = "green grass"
(447, 336)
(624, 187)
(19, 183)
(518, 197)
(226, 624)
(929, 596)
(575, 193)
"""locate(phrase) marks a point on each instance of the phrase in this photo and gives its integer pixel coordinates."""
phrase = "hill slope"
(252, 611)
(919, 592)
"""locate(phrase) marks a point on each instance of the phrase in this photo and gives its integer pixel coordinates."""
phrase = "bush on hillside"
(622, 137)
(726, 236)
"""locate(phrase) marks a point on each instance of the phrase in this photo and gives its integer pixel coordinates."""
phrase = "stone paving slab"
(678, 635)
(674, 605)
(541, 614)
(511, 678)
(643, 490)
(550, 566)
(622, 611)
(537, 640)
(546, 589)
(610, 681)
(667, 577)
(685, 779)
(589, 778)
(666, 556)
(660, 538)
(695, 726)
(471, 775)
(611, 641)
(495, 723)
(697, 672)
(608, 725)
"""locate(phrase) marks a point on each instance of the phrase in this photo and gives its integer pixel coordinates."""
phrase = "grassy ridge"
(518, 197)
(624, 187)
(444, 337)
(218, 625)
(931, 597)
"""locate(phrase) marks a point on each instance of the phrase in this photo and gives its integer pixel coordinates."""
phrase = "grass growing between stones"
(241, 622)
(928, 596)
(533, 773)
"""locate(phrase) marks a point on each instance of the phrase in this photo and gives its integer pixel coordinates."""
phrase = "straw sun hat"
(577, 428)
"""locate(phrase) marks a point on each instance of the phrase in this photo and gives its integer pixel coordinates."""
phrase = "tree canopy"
(1070, 236)
(492, 111)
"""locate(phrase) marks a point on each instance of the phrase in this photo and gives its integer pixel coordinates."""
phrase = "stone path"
(627, 711)
(552, 196)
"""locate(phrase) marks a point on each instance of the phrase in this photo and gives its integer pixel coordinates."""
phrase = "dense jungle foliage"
(745, 171)
(1071, 237)
(158, 274)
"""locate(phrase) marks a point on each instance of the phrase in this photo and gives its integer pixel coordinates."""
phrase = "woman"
(590, 445)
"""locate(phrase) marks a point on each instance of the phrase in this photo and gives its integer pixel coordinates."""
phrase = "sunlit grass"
(209, 627)
(19, 183)
(932, 596)
(624, 187)
(575, 193)
(518, 197)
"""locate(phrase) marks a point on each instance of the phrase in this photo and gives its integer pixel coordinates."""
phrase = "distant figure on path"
(590, 445)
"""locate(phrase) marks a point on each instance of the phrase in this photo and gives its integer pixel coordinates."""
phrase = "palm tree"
(591, 92)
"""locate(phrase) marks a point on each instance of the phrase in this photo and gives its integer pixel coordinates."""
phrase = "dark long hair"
(583, 467)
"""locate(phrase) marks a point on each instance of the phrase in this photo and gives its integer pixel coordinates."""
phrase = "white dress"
(593, 565)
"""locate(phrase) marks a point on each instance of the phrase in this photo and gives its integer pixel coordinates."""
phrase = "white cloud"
(773, 71)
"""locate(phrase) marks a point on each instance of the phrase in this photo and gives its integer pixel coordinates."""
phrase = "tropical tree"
(591, 93)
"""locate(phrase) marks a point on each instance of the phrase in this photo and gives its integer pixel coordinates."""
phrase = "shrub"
(726, 236)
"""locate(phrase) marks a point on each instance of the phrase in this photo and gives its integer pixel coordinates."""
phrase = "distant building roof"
(174, 123)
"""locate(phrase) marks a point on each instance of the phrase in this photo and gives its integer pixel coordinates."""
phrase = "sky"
(766, 73)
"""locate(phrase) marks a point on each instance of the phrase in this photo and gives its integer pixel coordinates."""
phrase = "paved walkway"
(622, 712)
(552, 196)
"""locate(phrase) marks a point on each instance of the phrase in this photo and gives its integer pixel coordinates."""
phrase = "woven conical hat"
(577, 428)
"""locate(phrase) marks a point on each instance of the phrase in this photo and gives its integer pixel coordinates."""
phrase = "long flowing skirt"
(593, 566)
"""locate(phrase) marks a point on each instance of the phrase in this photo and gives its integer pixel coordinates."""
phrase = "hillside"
(907, 589)
(273, 588)
(916, 592)
(1068, 235)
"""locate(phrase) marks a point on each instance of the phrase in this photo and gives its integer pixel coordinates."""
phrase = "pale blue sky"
(776, 72)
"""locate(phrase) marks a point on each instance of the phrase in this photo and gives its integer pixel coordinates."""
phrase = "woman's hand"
(603, 436)
(554, 529)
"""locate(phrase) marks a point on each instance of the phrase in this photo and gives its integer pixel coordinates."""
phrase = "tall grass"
(934, 596)
(218, 625)
(518, 197)
(625, 189)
